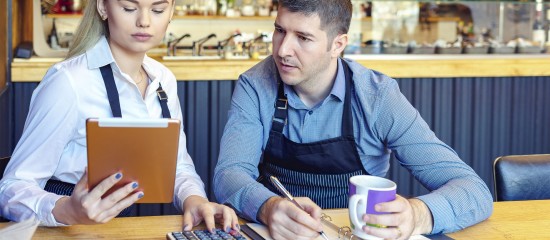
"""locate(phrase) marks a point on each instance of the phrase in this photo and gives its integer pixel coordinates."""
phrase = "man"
(313, 120)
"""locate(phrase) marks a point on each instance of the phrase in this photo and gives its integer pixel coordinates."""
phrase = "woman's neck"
(129, 62)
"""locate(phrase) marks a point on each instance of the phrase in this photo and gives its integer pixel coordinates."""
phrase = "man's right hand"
(87, 207)
(287, 221)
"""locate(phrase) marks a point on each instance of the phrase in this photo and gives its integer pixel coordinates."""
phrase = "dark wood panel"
(4, 57)
(481, 118)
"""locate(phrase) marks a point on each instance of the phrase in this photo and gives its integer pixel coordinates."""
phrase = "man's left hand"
(405, 217)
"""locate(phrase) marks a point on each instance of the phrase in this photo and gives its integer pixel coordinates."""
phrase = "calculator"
(205, 235)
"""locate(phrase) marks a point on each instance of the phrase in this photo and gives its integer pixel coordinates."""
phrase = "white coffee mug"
(365, 192)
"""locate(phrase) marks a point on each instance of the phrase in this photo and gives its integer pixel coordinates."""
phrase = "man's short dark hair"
(335, 15)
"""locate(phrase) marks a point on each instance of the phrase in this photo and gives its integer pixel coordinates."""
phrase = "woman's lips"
(142, 36)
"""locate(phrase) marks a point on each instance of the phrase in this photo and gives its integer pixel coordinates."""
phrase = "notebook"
(19, 230)
(335, 225)
(143, 150)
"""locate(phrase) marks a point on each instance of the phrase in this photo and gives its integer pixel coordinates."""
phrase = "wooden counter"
(397, 66)
(510, 220)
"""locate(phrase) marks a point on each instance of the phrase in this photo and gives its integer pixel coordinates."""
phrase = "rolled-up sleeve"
(241, 148)
(188, 182)
(49, 127)
(458, 197)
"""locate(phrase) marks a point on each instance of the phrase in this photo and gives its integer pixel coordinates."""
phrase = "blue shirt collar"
(338, 89)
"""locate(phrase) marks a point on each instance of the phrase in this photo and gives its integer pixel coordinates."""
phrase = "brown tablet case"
(143, 150)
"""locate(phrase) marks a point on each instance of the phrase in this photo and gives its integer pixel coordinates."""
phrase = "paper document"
(22, 230)
(334, 221)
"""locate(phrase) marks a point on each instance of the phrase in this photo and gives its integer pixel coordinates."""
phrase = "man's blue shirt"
(383, 122)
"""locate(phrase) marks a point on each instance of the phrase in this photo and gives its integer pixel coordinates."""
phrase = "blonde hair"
(89, 31)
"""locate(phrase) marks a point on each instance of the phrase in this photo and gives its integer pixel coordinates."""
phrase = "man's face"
(136, 26)
(300, 48)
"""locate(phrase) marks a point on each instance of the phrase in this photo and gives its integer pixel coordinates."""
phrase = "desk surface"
(510, 220)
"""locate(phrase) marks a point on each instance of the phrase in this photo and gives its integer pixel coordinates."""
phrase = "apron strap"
(281, 105)
(163, 99)
(114, 101)
(347, 120)
(112, 92)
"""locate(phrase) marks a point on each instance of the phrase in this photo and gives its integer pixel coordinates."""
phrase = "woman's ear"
(102, 9)
(339, 44)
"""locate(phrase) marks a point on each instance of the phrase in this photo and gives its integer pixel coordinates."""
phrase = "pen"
(289, 196)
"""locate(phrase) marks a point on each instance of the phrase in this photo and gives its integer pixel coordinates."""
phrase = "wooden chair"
(522, 177)
(3, 163)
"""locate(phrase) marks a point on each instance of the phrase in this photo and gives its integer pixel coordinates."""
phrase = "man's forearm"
(422, 217)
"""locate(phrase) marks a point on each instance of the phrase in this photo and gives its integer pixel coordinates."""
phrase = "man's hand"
(405, 218)
(287, 221)
(87, 207)
(196, 209)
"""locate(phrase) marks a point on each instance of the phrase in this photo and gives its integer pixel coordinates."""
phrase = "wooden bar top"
(510, 220)
(397, 66)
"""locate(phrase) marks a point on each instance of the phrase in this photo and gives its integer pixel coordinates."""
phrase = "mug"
(365, 192)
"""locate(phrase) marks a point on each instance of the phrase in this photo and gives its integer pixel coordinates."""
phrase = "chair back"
(522, 177)
(3, 163)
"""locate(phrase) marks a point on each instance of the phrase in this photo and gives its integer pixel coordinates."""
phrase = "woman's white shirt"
(53, 144)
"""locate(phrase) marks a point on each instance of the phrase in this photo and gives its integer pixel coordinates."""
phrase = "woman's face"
(136, 26)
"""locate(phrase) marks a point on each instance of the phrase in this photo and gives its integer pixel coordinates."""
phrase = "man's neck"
(314, 91)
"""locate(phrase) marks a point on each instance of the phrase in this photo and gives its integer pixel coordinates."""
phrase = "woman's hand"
(87, 207)
(196, 209)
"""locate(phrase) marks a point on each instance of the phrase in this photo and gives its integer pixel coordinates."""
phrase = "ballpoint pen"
(289, 196)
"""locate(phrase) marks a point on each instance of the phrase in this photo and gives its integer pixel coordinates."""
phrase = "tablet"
(143, 150)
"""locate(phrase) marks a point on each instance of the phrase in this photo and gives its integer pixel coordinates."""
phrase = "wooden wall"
(3, 45)
(480, 118)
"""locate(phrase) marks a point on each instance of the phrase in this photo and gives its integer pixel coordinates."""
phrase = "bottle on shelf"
(53, 39)
(539, 33)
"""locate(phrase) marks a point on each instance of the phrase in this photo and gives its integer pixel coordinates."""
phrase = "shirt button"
(310, 112)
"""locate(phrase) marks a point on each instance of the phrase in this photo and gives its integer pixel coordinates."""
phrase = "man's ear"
(339, 44)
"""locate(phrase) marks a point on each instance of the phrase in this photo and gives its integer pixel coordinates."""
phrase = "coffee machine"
(67, 6)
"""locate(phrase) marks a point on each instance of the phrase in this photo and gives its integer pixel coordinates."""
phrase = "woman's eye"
(158, 11)
(129, 9)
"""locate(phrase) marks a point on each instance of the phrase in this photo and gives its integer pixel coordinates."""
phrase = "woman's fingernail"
(135, 185)
(227, 229)
(118, 175)
(238, 227)
(140, 195)
(185, 227)
(212, 230)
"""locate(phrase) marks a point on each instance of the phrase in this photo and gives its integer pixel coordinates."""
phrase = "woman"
(111, 40)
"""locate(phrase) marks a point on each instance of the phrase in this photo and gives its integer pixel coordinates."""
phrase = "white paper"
(22, 230)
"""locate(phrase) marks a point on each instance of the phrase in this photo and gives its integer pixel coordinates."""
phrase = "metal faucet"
(222, 44)
(248, 45)
(197, 45)
(173, 45)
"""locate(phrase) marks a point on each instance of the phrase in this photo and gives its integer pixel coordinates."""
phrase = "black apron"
(63, 188)
(318, 170)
